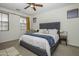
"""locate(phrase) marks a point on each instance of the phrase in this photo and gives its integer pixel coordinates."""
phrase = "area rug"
(12, 51)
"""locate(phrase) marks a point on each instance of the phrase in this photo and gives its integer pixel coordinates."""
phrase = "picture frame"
(34, 20)
(72, 13)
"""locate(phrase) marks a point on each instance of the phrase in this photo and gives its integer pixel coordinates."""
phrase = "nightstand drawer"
(63, 37)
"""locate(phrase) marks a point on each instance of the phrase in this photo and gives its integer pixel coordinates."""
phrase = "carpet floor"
(62, 50)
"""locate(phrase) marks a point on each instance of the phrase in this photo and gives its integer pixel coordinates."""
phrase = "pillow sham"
(43, 31)
(52, 31)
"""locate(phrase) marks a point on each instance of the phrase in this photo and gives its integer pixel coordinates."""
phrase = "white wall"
(14, 26)
(69, 25)
(35, 26)
(14, 29)
(11, 11)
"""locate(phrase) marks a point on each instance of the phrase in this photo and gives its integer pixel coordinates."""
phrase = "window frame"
(23, 24)
(4, 22)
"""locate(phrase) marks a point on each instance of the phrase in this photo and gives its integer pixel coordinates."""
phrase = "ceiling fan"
(33, 5)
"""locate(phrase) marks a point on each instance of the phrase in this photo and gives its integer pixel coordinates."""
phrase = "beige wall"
(69, 25)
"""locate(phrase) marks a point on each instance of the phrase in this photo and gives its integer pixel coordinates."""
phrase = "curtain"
(28, 24)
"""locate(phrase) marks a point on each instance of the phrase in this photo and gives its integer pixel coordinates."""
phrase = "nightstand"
(63, 37)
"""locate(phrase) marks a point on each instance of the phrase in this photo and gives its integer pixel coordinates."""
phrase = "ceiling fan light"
(31, 6)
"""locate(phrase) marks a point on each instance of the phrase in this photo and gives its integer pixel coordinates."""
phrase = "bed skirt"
(37, 50)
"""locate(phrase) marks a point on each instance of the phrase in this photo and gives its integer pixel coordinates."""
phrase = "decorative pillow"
(52, 31)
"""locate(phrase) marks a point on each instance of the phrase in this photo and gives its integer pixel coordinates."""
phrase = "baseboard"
(8, 41)
(73, 45)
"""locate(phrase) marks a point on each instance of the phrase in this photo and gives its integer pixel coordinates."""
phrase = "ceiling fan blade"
(34, 8)
(39, 5)
(27, 7)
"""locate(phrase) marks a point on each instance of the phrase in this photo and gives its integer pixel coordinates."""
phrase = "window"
(23, 24)
(4, 22)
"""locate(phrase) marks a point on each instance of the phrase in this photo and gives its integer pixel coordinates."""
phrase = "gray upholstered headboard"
(53, 25)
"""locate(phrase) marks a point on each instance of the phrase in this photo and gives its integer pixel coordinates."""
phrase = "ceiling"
(19, 7)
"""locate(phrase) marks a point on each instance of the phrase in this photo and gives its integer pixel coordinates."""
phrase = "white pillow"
(43, 31)
(52, 31)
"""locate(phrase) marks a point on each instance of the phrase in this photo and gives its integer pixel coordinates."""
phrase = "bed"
(38, 43)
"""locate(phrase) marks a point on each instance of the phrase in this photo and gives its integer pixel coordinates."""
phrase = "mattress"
(39, 42)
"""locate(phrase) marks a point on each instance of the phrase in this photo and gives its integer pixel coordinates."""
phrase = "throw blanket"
(48, 38)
